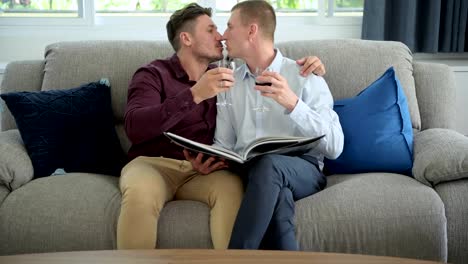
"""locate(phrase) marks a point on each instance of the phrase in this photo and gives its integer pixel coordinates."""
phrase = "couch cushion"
(79, 211)
(353, 64)
(184, 224)
(73, 212)
(20, 76)
(440, 155)
(71, 129)
(376, 214)
(69, 64)
(378, 136)
(3, 193)
(454, 194)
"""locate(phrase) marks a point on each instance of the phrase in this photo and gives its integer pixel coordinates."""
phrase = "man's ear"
(185, 39)
(253, 31)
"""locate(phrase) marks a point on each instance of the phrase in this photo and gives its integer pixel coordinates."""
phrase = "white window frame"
(88, 17)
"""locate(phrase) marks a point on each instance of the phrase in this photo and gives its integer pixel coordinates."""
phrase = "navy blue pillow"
(70, 129)
(378, 134)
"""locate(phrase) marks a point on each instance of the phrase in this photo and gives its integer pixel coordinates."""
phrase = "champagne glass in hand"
(261, 107)
(229, 63)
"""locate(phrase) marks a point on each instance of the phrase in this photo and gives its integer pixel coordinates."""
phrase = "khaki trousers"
(147, 183)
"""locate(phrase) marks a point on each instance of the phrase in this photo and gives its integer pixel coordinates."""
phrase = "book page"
(270, 143)
(258, 147)
(279, 145)
(204, 148)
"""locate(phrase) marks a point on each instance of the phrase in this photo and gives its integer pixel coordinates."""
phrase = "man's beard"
(205, 55)
(217, 58)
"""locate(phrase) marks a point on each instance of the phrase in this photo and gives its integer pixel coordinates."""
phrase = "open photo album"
(259, 146)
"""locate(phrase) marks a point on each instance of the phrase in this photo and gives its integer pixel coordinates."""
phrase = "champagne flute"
(258, 72)
(229, 63)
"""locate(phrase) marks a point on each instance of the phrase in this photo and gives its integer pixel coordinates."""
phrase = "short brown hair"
(182, 20)
(259, 11)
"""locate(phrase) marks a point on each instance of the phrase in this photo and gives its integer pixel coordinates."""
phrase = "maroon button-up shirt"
(160, 100)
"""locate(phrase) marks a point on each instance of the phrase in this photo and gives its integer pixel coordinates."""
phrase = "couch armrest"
(436, 93)
(440, 155)
(15, 165)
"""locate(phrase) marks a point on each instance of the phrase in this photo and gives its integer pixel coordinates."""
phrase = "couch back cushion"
(19, 76)
(353, 64)
(70, 64)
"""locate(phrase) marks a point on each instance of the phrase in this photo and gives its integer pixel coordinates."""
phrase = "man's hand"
(207, 166)
(214, 81)
(278, 91)
(311, 64)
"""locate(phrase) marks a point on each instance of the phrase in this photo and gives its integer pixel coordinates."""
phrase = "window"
(39, 8)
(139, 6)
(46, 12)
(165, 6)
(346, 7)
(338, 7)
(87, 10)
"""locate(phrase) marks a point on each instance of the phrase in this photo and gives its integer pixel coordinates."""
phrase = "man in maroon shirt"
(178, 94)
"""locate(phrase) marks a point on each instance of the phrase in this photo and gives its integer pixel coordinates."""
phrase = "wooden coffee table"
(200, 256)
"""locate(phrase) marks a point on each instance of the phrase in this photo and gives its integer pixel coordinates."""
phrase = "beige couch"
(425, 217)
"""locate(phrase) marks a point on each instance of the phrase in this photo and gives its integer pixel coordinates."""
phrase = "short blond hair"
(258, 11)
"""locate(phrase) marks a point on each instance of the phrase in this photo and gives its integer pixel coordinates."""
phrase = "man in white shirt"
(291, 106)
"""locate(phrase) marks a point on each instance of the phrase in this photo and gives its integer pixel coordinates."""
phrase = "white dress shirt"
(239, 124)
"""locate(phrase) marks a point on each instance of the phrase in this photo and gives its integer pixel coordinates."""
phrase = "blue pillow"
(378, 134)
(69, 129)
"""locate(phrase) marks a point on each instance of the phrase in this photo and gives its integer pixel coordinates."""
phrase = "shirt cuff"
(185, 100)
(299, 111)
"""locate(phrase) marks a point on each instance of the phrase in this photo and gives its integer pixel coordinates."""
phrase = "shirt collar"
(177, 68)
(275, 65)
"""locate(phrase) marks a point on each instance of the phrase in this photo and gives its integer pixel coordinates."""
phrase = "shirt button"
(185, 105)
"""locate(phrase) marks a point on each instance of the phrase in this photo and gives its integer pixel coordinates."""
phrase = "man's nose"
(224, 35)
(219, 37)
